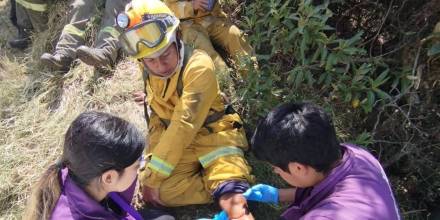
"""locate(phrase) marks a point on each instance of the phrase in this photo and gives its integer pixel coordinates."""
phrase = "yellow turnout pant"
(191, 183)
(200, 32)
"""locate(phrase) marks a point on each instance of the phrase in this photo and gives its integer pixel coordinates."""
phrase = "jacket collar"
(322, 189)
(168, 84)
(80, 203)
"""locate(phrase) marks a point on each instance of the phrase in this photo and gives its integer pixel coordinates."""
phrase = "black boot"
(22, 41)
(97, 57)
(56, 61)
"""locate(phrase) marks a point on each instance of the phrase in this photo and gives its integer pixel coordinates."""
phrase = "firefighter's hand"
(200, 5)
(139, 97)
(151, 196)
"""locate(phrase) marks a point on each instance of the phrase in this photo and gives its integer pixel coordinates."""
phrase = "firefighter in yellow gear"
(30, 16)
(196, 144)
(71, 44)
(203, 22)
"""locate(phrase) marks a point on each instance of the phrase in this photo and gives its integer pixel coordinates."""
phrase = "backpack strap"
(145, 78)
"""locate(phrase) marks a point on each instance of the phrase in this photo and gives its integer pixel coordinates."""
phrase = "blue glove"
(221, 216)
(262, 193)
(211, 4)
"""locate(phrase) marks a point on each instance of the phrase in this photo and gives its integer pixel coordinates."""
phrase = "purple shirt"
(356, 189)
(74, 203)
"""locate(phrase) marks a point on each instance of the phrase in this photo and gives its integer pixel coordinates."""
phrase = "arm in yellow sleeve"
(182, 9)
(199, 92)
(155, 129)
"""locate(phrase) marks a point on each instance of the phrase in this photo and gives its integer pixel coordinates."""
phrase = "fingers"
(247, 193)
(204, 4)
(159, 202)
(251, 190)
(200, 5)
(258, 186)
(151, 196)
(139, 97)
(156, 203)
(258, 194)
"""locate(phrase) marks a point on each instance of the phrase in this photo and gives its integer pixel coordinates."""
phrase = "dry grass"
(36, 106)
(36, 114)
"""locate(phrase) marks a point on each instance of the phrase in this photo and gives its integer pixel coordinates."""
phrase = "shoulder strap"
(186, 56)
(125, 206)
(145, 78)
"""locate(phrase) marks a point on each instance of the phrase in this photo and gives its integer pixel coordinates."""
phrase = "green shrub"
(296, 48)
(374, 95)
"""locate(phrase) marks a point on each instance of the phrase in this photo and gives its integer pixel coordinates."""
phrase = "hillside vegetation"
(373, 65)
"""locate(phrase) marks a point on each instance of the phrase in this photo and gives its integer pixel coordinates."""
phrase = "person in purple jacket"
(95, 177)
(330, 180)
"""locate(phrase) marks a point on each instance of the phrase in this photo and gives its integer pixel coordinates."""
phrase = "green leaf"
(320, 7)
(328, 28)
(328, 79)
(351, 50)
(381, 79)
(360, 73)
(364, 139)
(316, 55)
(294, 17)
(382, 95)
(299, 78)
(324, 53)
(331, 60)
(348, 97)
(354, 39)
(303, 47)
(322, 77)
(309, 78)
(370, 98)
(434, 50)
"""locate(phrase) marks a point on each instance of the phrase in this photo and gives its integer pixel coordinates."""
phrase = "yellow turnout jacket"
(194, 119)
(183, 9)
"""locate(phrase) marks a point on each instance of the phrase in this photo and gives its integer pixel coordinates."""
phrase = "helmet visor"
(149, 34)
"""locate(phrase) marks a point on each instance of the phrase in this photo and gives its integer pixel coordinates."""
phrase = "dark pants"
(13, 14)
(31, 14)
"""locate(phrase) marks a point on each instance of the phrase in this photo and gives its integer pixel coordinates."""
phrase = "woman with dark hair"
(95, 177)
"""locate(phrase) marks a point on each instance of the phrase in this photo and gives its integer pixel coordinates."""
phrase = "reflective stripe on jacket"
(30, 5)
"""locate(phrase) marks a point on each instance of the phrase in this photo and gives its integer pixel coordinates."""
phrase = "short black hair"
(297, 132)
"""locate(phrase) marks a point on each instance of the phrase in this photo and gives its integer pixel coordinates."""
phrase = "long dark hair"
(94, 143)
